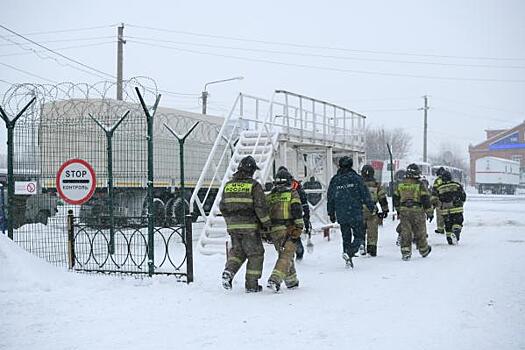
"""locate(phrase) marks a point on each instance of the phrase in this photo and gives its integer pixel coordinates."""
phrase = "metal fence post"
(109, 148)
(189, 249)
(2, 210)
(186, 220)
(10, 125)
(151, 228)
(71, 239)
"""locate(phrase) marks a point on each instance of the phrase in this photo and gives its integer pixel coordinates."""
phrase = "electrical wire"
(267, 42)
(60, 48)
(28, 73)
(58, 53)
(71, 30)
(302, 54)
(334, 69)
(12, 43)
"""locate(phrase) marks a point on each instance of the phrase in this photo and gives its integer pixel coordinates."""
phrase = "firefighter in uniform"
(373, 218)
(440, 223)
(412, 203)
(296, 185)
(243, 206)
(347, 194)
(286, 216)
(451, 197)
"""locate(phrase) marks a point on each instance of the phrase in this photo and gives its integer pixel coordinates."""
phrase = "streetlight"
(205, 92)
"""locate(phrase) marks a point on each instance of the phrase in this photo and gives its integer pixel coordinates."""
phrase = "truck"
(63, 130)
(497, 175)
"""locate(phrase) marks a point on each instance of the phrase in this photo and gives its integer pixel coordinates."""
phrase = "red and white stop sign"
(76, 181)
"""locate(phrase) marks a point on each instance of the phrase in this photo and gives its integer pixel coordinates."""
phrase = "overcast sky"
(468, 56)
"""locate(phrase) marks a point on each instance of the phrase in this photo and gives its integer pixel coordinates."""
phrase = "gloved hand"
(382, 215)
(430, 217)
(266, 234)
(332, 217)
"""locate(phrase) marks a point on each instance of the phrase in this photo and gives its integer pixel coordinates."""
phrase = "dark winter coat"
(347, 194)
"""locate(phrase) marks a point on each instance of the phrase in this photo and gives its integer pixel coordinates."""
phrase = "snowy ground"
(467, 297)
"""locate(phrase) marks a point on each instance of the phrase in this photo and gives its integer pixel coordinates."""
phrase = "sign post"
(76, 181)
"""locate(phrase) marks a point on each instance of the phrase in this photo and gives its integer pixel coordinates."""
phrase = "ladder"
(269, 130)
(261, 147)
(247, 136)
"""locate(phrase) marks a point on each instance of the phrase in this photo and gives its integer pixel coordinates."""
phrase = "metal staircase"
(271, 130)
(261, 147)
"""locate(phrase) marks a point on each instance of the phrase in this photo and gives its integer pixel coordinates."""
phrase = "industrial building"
(503, 143)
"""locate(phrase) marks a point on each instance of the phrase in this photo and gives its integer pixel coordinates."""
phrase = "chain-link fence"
(136, 161)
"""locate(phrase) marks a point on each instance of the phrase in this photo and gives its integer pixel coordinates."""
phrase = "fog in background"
(375, 57)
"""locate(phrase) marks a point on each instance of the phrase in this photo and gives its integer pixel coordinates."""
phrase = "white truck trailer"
(497, 175)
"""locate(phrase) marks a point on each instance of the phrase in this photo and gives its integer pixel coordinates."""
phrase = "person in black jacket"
(347, 194)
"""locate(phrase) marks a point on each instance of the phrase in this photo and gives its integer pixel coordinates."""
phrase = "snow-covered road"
(470, 296)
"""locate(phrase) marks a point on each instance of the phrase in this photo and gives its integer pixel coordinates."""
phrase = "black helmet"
(446, 176)
(367, 171)
(440, 171)
(283, 177)
(282, 167)
(346, 162)
(413, 171)
(248, 165)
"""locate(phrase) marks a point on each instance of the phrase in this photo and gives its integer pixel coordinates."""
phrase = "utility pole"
(120, 59)
(425, 128)
(204, 95)
(204, 101)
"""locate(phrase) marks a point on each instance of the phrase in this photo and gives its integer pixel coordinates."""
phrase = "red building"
(508, 144)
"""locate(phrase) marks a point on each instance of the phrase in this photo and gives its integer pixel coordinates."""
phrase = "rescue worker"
(412, 203)
(286, 216)
(313, 184)
(440, 223)
(373, 218)
(243, 206)
(296, 185)
(451, 197)
(347, 194)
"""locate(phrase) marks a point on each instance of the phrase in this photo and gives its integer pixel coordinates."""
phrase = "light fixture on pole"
(205, 92)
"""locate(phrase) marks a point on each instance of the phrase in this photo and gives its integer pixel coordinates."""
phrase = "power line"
(325, 56)
(70, 30)
(28, 73)
(334, 69)
(12, 43)
(471, 116)
(267, 42)
(477, 106)
(59, 48)
(57, 53)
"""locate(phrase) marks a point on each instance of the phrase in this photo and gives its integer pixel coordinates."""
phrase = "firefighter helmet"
(413, 171)
(248, 164)
(367, 171)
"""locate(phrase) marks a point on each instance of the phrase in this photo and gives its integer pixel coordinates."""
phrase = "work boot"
(425, 254)
(276, 287)
(293, 285)
(227, 278)
(362, 250)
(406, 256)
(456, 233)
(451, 238)
(372, 250)
(348, 261)
(254, 289)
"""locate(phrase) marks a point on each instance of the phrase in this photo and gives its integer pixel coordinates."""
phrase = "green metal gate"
(136, 221)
